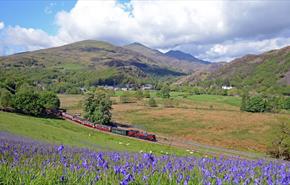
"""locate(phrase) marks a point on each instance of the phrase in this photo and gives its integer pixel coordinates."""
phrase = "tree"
(97, 108)
(165, 92)
(5, 98)
(286, 104)
(281, 145)
(152, 102)
(274, 103)
(28, 102)
(245, 98)
(49, 100)
(254, 104)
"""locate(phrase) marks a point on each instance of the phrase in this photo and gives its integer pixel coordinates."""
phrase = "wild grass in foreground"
(23, 161)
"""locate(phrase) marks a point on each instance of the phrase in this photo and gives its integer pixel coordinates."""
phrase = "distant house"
(227, 87)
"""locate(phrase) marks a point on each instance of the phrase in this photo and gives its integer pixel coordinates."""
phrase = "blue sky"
(33, 13)
(210, 30)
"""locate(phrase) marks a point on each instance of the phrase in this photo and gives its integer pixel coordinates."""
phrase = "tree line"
(27, 100)
(264, 103)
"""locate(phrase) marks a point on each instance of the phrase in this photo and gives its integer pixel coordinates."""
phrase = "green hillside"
(268, 72)
(58, 131)
(84, 64)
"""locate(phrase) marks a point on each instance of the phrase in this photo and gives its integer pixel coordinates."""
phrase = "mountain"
(266, 72)
(88, 63)
(184, 56)
(164, 60)
(201, 74)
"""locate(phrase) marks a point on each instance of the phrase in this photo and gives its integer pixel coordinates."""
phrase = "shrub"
(254, 104)
(165, 92)
(280, 146)
(275, 103)
(49, 100)
(286, 104)
(28, 103)
(5, 99)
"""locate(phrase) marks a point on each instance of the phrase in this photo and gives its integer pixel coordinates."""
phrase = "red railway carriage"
(103, 127)
(132, 133)
(141, 135)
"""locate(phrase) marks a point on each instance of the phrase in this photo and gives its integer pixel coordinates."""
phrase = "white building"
(227, 87)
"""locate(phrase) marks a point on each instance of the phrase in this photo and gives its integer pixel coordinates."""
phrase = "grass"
(59, 131)
(230, 129)
(207, 119)
(229, 100)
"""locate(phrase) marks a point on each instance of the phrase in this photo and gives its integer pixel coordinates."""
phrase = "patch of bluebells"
(23, 161)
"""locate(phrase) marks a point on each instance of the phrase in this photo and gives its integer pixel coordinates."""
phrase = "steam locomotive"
(115, 130)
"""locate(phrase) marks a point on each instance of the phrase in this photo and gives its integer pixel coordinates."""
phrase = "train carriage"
(103, 127)
(119, 131)
(115, 130)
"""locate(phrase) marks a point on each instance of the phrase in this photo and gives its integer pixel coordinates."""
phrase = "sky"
(210, 30)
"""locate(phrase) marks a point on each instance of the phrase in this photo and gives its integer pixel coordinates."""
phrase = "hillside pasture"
(58, 131)
(206, 119)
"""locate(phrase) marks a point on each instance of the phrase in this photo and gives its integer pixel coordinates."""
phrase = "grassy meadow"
(206, 119)
(57, 131)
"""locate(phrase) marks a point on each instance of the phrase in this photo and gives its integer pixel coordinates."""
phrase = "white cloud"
(212, 30)
(1, 25)
(231, 49)
(17, 39)
(164, 24)
(154, 23)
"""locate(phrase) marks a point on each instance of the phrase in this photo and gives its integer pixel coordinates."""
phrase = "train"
(125, 132)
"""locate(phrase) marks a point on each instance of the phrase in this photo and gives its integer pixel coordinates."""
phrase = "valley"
(205, 119)
(155, 92)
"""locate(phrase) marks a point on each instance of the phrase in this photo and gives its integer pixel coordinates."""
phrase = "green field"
(59, 131)
(206, 119)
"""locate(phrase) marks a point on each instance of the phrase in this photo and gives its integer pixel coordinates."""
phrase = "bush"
(28, 103)
(165, 92)
(275, 103)
(280, 146)
(49, 100)
(5, 99)
(152, 102)
(253, 104)
(286, 104)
